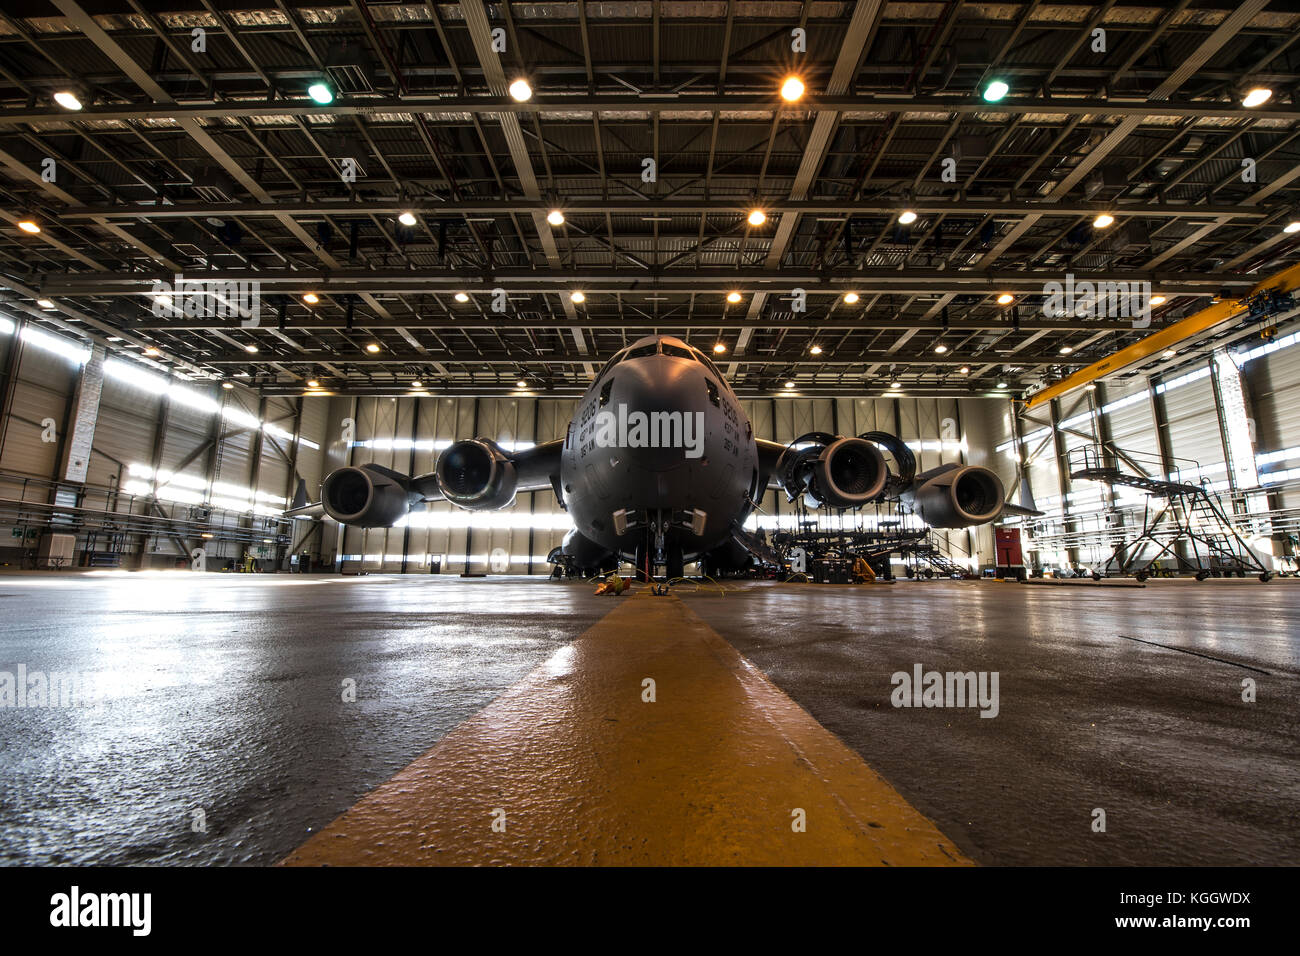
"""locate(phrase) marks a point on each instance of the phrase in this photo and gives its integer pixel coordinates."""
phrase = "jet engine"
(475, 474)
(368, 496)
(955, 496)
(837, 472)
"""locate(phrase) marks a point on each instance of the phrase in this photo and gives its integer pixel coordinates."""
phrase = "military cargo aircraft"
(660, 466)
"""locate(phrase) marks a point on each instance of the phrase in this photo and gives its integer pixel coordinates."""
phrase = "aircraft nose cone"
(660, 405)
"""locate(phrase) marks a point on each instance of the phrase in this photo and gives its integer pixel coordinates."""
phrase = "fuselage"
(659, 444)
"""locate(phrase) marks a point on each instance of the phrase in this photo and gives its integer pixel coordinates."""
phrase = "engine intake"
(956, 496)
(475, 474)
(364, 496)
(836, 472)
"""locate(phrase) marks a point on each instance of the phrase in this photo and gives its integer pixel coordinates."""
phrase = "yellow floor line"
(572, 766)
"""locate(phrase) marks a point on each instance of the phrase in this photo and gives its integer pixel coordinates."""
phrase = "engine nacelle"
(956, 496)
(476, 475)
(837, 473)
(365, 496)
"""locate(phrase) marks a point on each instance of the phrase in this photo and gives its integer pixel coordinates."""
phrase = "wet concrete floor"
(226, 695)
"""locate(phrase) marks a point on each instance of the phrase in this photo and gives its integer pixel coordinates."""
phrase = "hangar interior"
(246, 245)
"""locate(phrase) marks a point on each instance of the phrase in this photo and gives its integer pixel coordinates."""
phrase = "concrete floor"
(226, 697)
(1159, 739)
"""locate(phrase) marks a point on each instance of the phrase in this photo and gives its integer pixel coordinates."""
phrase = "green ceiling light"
(321, 93)
(995, 90)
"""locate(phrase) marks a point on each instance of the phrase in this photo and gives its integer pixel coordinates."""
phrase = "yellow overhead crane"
(1182, 330)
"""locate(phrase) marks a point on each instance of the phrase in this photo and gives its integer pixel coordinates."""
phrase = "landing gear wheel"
(1141, 576)
(1096, 576)
(676, 564)
(1265, 577)
(1202, 575)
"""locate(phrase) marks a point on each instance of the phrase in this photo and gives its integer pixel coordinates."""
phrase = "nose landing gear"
(659, 545)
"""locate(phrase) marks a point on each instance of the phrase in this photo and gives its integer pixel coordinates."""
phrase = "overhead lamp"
(1006, 298)
(372, 348)
(520, 91)
(68, 100)
(46, 303)
(907, 217)
(407, 219)
(1066, 349)
(555, 217)
(789, 384)
(521, 384)
(733, 297)
(965, 370)
(312, 383)
(940, 349)
(895, 384)
(321, 93)
(250, 349)
(1292, 226)
(577, 296)
(1168, 353)
(719, 349)
(1256, 96)
(227, 385)
(1002, 384)
(850, 297)
(1161, 300)
(1103, 220)
(29, 226)
(995, 90)
(311, 298)
(792, 89)
(462, 297)
(152, 352)
(417, 384)
(815, 350)
(757, 217)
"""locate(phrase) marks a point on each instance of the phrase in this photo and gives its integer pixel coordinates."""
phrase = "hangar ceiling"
(655, 128)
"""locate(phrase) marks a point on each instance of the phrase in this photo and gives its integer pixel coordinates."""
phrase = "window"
(678, 351)
(641, 351)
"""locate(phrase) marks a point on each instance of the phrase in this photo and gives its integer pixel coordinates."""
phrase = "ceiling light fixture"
(815, 350)
(321, 93)
(1257, 96)
(577, 296)
(733, 297)
(940, 349)
(757, 217)
(45, 303)
(719, 349)
(792, 89)
(462, 297)
(227, 385)
(789, 384)
(1103, 220)
(152, 352)
(29, 226)
(311, 298)
(995, 90)
(895, 384)
(68, 100)
(1006, 298)
(1066, 349)
(521, 384)
(965, 370)
(250, 349)
(520, 91)
(1158, 300)
(555, 217)
(907, 217)
(850, 297)
(1292, 227)
(407, 219)
(1002, 384)
(372, 348)
(312, 383)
